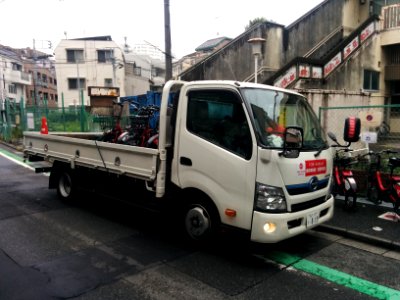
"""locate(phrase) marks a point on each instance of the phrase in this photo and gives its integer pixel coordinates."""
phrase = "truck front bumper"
(272, 228)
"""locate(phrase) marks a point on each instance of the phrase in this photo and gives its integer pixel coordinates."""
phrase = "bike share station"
(377, 179)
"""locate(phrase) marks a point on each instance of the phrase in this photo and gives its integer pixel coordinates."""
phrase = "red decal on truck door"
(315, 167)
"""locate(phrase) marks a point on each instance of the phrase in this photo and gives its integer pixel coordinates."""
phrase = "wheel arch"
(193, 194)
(56, 170)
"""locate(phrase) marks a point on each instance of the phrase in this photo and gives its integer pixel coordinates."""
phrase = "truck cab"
(248, 156)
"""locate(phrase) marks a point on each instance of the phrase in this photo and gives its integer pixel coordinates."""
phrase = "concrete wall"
(349, 77)
(236, 60)
(312, 28)
(354, 13)
(390, 37)
(282, 44)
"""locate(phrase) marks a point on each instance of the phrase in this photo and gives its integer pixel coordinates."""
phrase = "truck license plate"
(312, 219)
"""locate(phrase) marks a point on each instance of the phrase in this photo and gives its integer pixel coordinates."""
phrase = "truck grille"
(303, 188)
(308, 204)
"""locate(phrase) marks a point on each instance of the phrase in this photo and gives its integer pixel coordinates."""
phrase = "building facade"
(86, 62)
(143, 73)
(342, 52)
(201, 52)
(43, 90)
(13, 77)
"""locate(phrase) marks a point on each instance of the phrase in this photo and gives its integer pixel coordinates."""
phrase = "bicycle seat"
(394, 161)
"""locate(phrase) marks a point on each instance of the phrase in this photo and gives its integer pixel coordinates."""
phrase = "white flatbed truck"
(237, 154)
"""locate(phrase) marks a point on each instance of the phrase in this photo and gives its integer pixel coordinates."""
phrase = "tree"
(255, 21)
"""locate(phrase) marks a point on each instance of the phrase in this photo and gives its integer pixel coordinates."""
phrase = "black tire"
(201, 221)
(350, 201)
(396, 207)
(66, 186)
(373, 194)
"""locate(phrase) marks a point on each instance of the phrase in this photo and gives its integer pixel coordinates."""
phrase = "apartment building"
(87, 62)
(13, 77)
(41, 67)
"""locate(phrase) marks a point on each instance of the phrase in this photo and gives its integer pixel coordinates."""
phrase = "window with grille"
(12, 89)
(108, 82)
(73, 83)
(104, 56)
(74, 55)
(371, 80)
(137, 71)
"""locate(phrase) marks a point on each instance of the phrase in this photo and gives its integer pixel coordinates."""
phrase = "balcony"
(20, 77)
(392, 72)
(41, 83)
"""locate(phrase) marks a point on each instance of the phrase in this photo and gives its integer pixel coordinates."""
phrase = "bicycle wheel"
(373, 194)
(350, 200)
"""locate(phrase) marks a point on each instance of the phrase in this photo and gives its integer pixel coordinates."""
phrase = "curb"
(18, 147)
(361, 237)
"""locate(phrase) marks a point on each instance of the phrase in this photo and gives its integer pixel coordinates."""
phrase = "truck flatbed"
(84, 149)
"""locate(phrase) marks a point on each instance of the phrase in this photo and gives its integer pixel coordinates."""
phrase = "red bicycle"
(382, 186)
(344, 183)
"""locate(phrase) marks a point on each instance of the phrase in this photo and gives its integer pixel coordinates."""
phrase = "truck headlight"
(270, 199)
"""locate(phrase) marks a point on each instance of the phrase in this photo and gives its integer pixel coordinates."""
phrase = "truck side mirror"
(292, 142)
(352, 126)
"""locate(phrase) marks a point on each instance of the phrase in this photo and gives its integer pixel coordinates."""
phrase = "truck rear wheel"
(201, 221)
(65, 186)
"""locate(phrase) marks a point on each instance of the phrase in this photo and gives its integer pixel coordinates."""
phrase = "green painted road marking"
(11, 155)
(15, 158)
(341, 278)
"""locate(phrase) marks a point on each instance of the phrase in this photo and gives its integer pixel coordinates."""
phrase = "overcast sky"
(192, 22)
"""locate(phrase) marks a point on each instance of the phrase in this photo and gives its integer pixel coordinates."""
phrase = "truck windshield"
(274, 110)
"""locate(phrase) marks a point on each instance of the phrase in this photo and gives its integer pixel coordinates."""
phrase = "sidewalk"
(369, 223)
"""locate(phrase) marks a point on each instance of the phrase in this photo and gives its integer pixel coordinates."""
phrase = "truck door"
(216, 152)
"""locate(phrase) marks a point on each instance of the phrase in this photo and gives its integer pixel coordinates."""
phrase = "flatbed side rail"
(74, 149)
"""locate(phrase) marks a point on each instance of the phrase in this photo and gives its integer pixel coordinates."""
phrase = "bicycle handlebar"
(372, 153)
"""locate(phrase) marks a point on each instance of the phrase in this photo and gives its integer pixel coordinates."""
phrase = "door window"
(218, 117)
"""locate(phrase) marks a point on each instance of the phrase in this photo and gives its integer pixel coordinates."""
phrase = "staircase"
(321, 68)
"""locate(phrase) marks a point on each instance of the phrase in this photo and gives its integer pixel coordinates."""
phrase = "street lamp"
(256, 44)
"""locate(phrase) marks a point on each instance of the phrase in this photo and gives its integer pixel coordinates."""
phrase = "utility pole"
(34, 76)
(168, 56)
(2, 95)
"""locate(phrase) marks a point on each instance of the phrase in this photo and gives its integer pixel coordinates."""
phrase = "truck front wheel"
(65, 186)
(201, 221)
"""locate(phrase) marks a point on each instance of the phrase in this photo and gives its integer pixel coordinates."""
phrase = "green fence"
(15, 118)
(380, 124)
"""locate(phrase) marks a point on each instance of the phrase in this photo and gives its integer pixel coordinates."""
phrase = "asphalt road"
(100, 249)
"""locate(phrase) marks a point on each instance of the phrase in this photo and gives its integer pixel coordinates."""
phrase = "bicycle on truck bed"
(382, 186)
